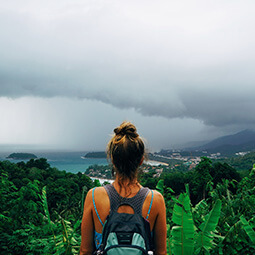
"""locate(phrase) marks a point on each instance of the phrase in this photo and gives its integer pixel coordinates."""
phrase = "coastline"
(101, 180)
(155, 163)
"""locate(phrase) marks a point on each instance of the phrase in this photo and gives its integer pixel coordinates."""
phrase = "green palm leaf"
(182, 235)
(204, 239)
(248, 229)
(46, 210)
(160, 186)
(45, 204)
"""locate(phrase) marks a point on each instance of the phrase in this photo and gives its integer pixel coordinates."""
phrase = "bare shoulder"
(97, 191)
(157, 194)
(98, 194)
(158, 198)
(89, 196)
(100, 190)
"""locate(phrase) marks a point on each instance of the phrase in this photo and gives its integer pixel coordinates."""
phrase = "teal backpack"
(123, 233)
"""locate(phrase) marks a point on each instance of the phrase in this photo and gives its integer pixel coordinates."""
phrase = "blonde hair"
(126, 151)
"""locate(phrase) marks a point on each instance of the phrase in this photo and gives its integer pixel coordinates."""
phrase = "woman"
(126, 151)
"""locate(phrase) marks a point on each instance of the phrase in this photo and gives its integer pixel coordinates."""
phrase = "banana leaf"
(182, 235)
(248, 229)
(46, 211)
(160, 186)
(200, 207)
(204, 238)
(45, 204)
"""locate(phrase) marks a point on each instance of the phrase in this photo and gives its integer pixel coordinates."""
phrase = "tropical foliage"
(41, 209)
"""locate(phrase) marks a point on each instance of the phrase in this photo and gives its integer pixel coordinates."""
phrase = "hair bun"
(126, 128)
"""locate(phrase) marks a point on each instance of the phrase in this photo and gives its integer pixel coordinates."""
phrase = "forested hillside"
(210, 210)
(242, 163)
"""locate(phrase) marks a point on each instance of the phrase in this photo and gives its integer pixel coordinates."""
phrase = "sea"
(73, 162)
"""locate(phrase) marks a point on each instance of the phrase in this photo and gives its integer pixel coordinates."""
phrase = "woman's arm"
(160, 225)
(87, 227)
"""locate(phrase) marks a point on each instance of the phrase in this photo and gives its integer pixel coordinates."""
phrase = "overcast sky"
(72, 70)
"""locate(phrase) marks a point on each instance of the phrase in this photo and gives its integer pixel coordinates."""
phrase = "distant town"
(165, 161)
(225, 149)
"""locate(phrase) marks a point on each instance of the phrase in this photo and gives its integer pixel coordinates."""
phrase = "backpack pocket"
(125, 243)
(124, 250)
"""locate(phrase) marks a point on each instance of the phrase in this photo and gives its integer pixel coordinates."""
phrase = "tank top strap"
(94, 204)
(135, 202)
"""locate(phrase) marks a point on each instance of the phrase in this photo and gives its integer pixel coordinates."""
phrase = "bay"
(69, 161)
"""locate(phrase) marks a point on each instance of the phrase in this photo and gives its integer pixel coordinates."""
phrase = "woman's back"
(102, 203)
(126, 151)
(157, 216)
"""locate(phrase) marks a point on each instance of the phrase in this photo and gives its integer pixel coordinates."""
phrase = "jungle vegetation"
(210, 210)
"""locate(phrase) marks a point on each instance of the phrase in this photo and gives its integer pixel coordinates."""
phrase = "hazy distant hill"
(192, 144)
(241, 141)
(97, 154)
(20, 156)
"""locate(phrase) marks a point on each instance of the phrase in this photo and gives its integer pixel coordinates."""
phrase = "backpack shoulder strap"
(135, 202)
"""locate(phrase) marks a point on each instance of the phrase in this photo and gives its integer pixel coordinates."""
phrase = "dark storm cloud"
(197, 63)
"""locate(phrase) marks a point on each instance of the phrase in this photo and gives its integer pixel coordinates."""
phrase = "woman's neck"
(125, 187)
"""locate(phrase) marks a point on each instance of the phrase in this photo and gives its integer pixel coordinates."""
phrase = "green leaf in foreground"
(160, 186)
(248, 229)
(182, 235)
(204, 239)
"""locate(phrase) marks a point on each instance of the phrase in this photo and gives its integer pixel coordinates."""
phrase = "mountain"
(241, 141)
(192, 144)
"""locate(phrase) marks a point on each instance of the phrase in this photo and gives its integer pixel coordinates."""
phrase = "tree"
(40, 163)
(221, 171)
(201, 177)
(175, 181)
